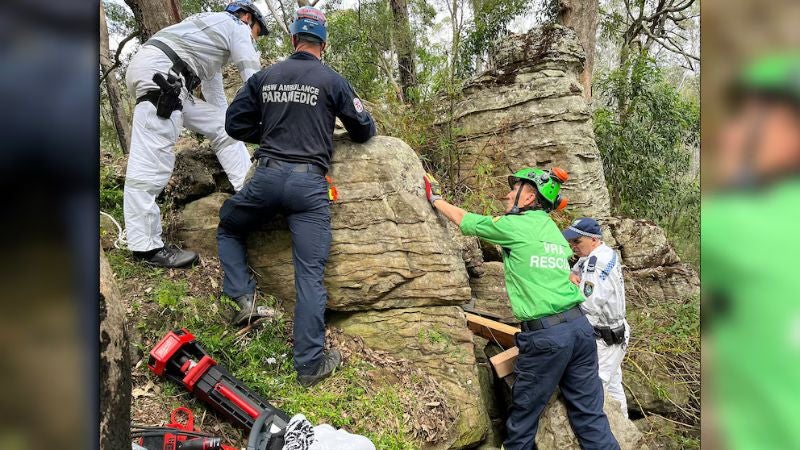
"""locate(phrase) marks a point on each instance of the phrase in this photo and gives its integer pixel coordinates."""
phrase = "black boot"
(330, 361)
(167, 256)
(248, 311)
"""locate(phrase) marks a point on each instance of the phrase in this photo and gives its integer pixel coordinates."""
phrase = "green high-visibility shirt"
(535, 259)
(751, 315)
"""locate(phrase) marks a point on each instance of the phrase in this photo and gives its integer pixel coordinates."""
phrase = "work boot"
(248, 311)
(330, 361)
(167, 256)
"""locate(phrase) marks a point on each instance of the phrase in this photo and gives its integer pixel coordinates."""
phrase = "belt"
(611, 336)
(150, 96)
(296, 167)
(555, 319)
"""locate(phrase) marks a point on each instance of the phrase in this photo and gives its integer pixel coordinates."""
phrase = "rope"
(120, 242)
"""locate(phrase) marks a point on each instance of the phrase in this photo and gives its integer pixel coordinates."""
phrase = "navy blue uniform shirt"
(290, 109)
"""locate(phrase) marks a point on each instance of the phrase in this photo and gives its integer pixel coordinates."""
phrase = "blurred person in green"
(751, 307)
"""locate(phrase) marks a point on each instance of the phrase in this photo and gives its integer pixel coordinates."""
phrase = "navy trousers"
(565, 356)
(303, 198)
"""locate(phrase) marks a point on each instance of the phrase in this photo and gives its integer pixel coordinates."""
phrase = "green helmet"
(547, 183)
(777, 74)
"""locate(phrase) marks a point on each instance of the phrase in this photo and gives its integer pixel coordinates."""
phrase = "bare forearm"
(452, 212)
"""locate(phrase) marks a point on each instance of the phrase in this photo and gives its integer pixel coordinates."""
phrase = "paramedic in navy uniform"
(289, 109)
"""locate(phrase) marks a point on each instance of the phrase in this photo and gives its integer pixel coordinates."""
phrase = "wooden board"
(492, 330)
(503, 363)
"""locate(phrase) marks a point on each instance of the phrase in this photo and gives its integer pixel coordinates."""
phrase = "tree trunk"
(581, 16)
(112, 87)
(115, 364)
(404, 45)
(153, 15)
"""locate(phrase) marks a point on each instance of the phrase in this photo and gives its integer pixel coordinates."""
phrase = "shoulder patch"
(591, 263)
(358, 105)
(588, 289)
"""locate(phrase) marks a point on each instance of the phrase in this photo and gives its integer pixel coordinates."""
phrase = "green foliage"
(169, 293)
(490, 21)
(357, 44)
(645, 131)
(110, 192)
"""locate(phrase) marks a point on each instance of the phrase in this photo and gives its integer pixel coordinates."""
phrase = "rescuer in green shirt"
(750, 306)
(557, 344)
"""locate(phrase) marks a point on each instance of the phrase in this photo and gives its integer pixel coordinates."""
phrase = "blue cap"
(585, 226)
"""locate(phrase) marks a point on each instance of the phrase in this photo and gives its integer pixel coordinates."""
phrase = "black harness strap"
(178, 65)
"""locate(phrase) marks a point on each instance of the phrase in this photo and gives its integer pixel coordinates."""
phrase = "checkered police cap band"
(583, 233)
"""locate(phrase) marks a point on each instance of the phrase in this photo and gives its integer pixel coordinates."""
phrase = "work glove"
(432, 189)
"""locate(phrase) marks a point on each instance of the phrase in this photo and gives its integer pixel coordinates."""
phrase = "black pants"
(564, 355)
(303, 198)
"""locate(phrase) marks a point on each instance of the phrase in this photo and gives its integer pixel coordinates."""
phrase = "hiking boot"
(248, 311)
(330, 361)
(167, 256)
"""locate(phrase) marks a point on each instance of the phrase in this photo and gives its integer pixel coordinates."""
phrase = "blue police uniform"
(289, 109)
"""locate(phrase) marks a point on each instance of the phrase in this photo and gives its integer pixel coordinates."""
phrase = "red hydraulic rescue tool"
(179, 357)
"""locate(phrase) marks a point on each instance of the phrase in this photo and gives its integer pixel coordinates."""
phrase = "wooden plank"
(503, 363)
(471, 309)
(492, 330)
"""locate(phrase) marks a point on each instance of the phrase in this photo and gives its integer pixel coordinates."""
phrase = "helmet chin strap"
(516, 209)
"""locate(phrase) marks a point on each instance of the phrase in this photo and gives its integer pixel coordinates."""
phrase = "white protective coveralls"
(603, 286)
(206, 42)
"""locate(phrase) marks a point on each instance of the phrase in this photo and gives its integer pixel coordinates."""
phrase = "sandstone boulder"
(437, 340)
(529, 111)
(197, 173)
(389, 247)
(389, 250)
(489, 292)
(198, 221)
(642, 243)
(555, 432)
(675, 283)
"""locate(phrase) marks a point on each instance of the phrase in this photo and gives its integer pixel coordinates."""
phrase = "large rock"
(471, 251)
(197, 224)
(489, 292)
(642, 243)
(437, 340)
(649, 387)
(529, 111)
(675, 283)
(390, 250)
(555, 432)
(494, 408)
(197, 173)
(653, 271)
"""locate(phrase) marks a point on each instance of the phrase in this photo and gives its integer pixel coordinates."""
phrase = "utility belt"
(552, 320)
(265, 161)
(167, 98)
(611, 336)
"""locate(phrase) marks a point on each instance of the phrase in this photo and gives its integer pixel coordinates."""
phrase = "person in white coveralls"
(598, 274)
(162, 76)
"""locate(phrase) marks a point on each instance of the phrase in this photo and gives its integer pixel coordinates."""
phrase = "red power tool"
(179, 357)
(177, 436)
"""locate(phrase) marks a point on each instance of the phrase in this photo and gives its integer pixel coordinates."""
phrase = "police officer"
(289, 109)
(599, 277)
(162, 76)
(556, 345)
